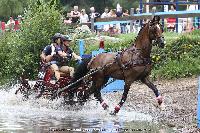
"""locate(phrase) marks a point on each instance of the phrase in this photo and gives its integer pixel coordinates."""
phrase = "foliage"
(12, 8)
(82, 32)
(22, 49)
(185, 67)
(180, 58)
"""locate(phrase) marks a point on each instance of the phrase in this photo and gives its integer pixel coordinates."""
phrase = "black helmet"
(56, 36)
(66, 38)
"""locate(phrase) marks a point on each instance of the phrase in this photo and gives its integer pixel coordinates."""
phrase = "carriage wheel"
(39, 88)
(24, 88)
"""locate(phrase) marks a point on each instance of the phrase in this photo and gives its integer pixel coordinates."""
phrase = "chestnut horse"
(134, 63)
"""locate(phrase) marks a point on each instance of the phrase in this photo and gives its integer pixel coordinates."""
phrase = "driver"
(70, 54)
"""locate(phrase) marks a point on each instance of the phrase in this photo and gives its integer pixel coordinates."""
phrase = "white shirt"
(105, 15)
(84, 18)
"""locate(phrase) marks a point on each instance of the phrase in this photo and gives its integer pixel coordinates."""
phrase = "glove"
(80, 61)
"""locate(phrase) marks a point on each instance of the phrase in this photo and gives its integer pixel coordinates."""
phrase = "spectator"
(112, 13)
(68, 21)
(137, 22)
(93, 14)
(106, 13)
(171, 22)
(190, 20)
(19, 17)
(75, 14)
(83, 17)
(10, 24)
(126, 13)
(119, 12)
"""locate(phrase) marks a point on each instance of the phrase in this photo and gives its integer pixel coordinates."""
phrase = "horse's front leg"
(155, 90)
(123, 99)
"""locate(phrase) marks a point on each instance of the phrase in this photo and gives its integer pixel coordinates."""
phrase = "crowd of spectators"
(83, 17)
(77, 16)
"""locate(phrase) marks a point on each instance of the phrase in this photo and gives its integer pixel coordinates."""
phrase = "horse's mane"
(139, 33)
(81, 69)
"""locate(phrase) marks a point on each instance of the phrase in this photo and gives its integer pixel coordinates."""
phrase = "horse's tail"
(82, 69)
(80, 72)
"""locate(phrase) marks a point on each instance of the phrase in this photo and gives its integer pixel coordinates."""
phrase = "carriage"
(134, 63)
(46, 87)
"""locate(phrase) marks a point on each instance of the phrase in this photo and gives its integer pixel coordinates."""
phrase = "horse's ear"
(156, 19)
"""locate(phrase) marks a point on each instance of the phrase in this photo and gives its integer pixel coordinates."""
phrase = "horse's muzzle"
(161, 42)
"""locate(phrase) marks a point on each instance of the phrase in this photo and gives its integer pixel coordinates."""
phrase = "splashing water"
(38, 115)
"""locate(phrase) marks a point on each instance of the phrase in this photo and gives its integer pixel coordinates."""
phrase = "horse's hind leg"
(98, 96)
(155, 90)
(97, 86)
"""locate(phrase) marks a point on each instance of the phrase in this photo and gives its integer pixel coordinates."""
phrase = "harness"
(139, 61)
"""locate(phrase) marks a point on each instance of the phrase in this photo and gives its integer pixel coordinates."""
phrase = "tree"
(12, 8)
(20, 50)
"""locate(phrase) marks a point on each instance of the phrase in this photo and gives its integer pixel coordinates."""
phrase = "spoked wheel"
(24, 88)
(81, 97)
(39, 88)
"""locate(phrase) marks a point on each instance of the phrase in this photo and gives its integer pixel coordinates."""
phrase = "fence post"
(153, 11)
(92, 24)
(198, 105)
(132, 21)
(198, 17)
(176, 17)
(81, 47)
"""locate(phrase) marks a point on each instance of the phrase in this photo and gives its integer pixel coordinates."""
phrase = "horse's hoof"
(116, 110)
(113, 113)
(159, 100)
(16, 92)
(162, 106)
(104, 105)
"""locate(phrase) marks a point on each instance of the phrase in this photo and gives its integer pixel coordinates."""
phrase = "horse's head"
(155, 31)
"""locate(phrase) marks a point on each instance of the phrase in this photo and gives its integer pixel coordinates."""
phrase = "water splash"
(19, 114)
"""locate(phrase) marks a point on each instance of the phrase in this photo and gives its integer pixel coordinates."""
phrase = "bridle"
(152, 32)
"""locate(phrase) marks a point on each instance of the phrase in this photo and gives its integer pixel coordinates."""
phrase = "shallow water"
(42, 115)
